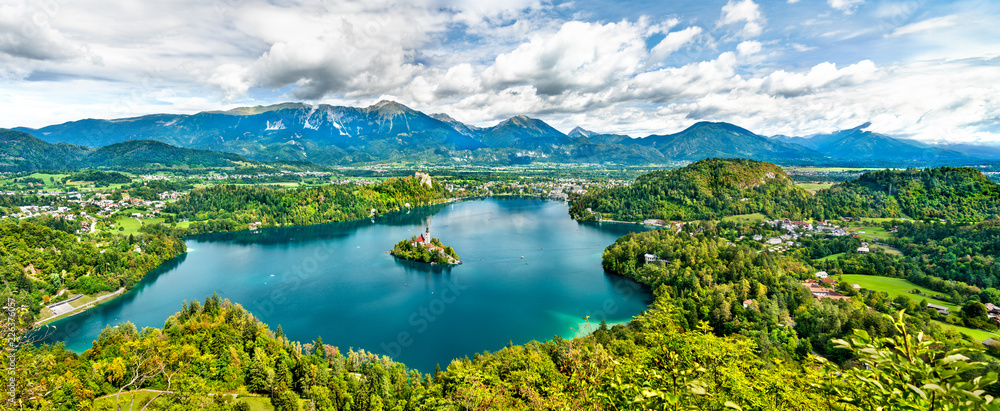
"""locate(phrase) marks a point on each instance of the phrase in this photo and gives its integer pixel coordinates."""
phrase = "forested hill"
(955, 194)
(39, 261)
(20, 151)
(231, 207)
(716, 188)
(708, 189)
(150, 153)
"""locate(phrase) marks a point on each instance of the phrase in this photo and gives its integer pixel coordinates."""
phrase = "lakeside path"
(80, 309)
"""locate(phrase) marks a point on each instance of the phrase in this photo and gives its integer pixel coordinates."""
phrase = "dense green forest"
(965, 253)
(407, 249)
(954, 194)
(38, 261)
(716, 188)
(232, 207)
(708, 189)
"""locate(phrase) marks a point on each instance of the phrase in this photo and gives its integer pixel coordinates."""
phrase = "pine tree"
(318, 347)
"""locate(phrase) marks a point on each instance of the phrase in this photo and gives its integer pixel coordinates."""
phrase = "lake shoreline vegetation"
(731, 326)
(227, 209)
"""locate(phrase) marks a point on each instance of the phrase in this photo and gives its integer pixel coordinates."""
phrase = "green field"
(130, 224)
(979, 335)
(141, 396)
(812, 187)
(151, 221)
(46, 177)
(831, 257)
(746, 218)
(896, 287)
(870, 233)
(258, 403)
(888, 250)
(879, 220)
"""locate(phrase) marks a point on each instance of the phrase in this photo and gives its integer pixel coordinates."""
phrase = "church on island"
(426, 249)
(424, 239)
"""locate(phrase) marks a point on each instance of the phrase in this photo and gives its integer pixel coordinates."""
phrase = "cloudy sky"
(914, 68)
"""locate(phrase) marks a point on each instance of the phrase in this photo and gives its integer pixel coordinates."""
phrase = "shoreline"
(122, 291)
(577, 331)
(77, 310)
(584, 329)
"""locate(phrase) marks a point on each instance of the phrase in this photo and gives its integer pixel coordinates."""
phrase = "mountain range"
(860, 144)
(391, 132)
(20, 151)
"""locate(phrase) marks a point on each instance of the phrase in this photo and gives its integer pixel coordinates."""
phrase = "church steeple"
(427, 235)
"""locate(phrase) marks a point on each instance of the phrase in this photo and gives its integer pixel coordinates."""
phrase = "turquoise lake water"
(337, 281)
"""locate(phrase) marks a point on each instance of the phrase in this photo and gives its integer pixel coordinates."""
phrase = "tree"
(974, 309)
(257, 375)
(286, 401)
(318, 347)
(908, 372)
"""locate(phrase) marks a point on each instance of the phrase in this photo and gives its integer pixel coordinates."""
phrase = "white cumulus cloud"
(673, 42)
(744, 12)
(580, 56)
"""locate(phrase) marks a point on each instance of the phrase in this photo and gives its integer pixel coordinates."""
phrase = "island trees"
(424, 251)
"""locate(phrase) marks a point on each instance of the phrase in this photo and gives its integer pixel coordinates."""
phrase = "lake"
(530, 272)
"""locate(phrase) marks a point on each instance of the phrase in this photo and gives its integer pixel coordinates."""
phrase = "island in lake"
(425, 249)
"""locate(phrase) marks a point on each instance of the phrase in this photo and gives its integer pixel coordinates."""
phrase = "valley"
(252, 242)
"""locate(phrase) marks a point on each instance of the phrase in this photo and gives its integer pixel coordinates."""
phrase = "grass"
(888, 250)
(896, 287)
(46, 177)
(979, 335)
(141, 396)
(130, 224)
(813, 187)
(870, 233)
(746, 218)
(151, 221)
(831, 257)
(257, 403)
(882, 219)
